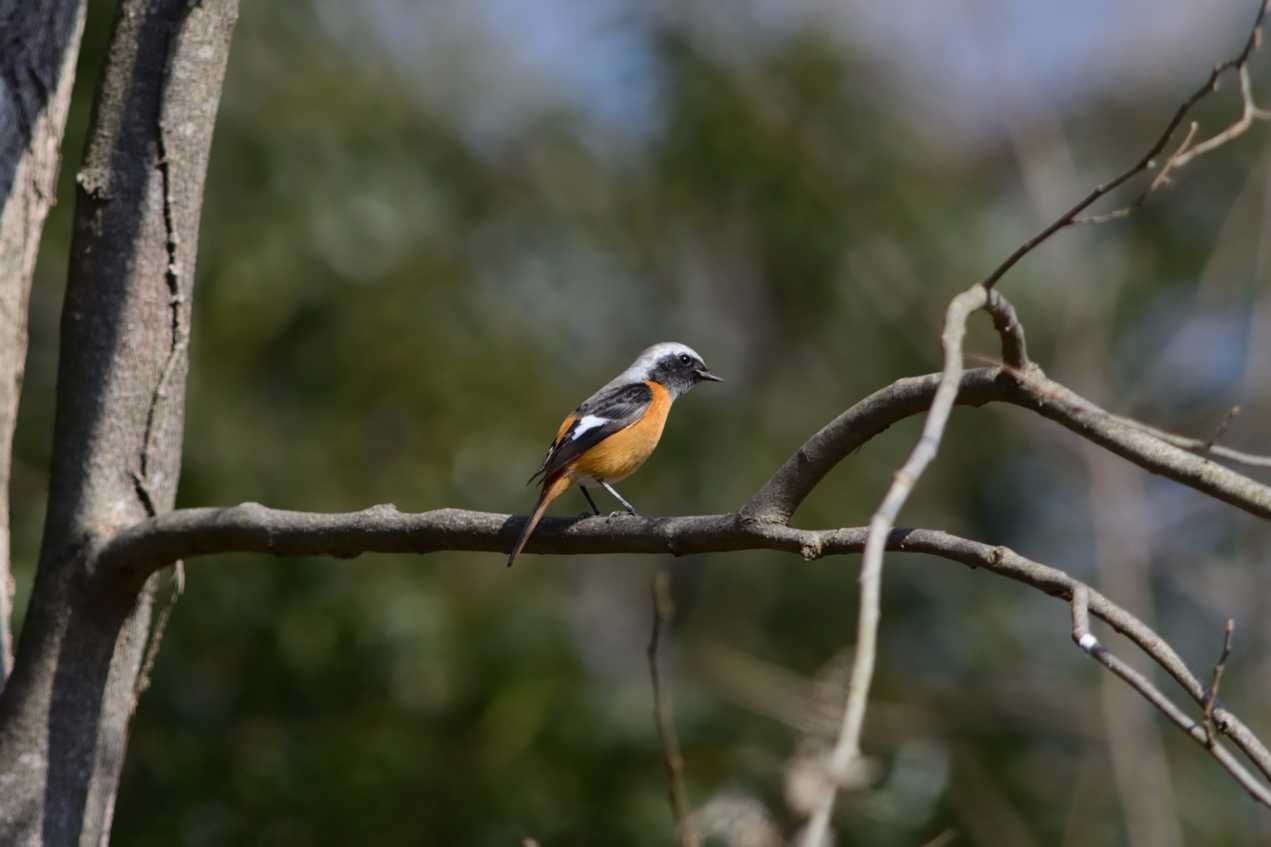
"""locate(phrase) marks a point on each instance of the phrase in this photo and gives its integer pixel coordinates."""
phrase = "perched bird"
(614, 431)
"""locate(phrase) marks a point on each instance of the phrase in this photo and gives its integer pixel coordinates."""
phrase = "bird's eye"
(684, 359)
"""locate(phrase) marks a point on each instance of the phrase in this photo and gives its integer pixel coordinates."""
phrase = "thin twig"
(1211, 694)
(1124, 546)
(1087, 641)
(663, 613)
(1200, 446)
(1186, 152)
(1145, 161)
(847, 747)
(1250, 113)
(1221, 429)
(1162, 178)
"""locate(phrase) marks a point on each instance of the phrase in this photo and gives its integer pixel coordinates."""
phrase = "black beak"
(704, 374)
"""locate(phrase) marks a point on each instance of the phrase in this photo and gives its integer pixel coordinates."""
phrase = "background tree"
(395, 222)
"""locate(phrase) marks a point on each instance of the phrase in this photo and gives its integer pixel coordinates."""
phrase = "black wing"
(595, 420)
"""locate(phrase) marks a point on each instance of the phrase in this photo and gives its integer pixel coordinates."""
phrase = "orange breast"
(619, 455)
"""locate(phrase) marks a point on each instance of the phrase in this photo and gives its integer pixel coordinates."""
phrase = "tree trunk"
(65, 711)
(38, 45)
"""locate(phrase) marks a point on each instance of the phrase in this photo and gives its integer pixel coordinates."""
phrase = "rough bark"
(117, 436)
(38, 44)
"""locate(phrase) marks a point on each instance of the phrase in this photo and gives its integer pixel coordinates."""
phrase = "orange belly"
(619, 455)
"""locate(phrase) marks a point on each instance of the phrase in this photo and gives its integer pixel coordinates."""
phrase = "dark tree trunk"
(65, 711)
(39, 40)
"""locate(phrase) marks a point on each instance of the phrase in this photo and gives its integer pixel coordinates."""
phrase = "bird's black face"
(679, 371)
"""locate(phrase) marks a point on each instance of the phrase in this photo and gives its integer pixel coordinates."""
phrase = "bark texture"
(65, 712)
(38, 44)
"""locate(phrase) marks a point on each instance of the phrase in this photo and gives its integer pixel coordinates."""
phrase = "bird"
(611, 433)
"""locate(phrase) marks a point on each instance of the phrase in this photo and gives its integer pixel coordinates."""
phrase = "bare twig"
(1145, 161)
(663, 613)
(847, 747)
(1123, 546)
(1186, 151)
(1090, 644)
(1249, 114)
(1201, 446)
(1211, 694)
(1131, 441)
(1162, 178)
(1221, 429)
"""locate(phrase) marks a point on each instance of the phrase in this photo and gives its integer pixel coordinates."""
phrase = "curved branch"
(780, 497)
(1132, 442)
(1154, 451)
(782, 494)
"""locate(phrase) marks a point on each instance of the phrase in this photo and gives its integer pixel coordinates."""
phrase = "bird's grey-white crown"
(650, 356)
(682, 376)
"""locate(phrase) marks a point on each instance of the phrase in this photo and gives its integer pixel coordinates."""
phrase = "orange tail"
(551, 491)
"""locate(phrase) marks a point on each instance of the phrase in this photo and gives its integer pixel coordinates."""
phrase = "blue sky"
(956, 60)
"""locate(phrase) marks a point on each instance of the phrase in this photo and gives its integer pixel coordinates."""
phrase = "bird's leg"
(630, 509)
(590, 502)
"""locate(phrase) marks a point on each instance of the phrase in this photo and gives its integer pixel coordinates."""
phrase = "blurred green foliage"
(394, 307)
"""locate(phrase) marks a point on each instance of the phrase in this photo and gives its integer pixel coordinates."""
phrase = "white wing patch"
(585, 423)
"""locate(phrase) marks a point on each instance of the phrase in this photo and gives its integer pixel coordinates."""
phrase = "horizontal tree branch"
(251, 527)
(155, 542)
